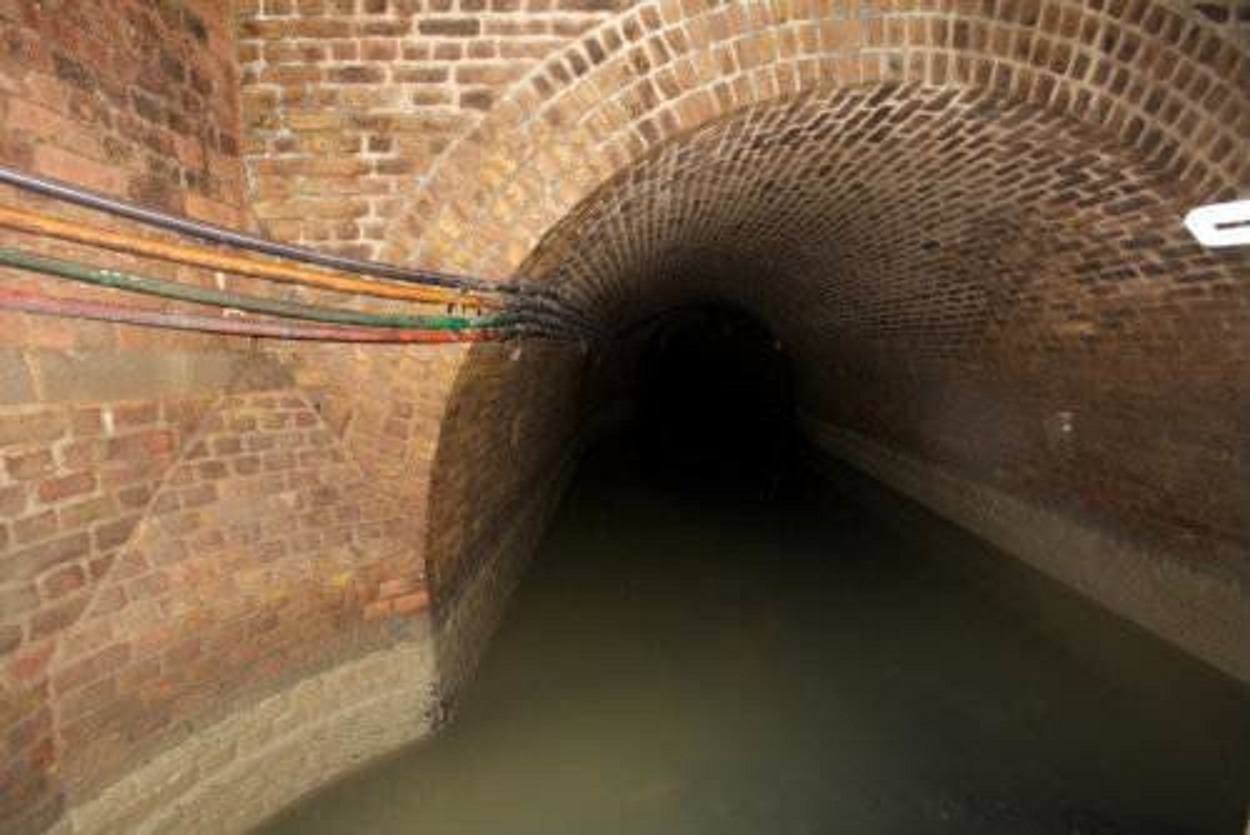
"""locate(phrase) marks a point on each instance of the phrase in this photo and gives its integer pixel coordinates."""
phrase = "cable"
(208, 296)
(219, 234)
(36, 223)
(239, 325)
(527, 295)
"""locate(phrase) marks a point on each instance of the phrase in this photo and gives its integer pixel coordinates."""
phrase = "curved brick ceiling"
(1172, 89)
(975, 267)
(934, 217)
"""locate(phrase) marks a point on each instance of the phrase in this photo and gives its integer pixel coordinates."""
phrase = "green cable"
(219, 298)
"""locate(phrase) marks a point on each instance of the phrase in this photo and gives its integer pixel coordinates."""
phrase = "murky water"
(689, 658)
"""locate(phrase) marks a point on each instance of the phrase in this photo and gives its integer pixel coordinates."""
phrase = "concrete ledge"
(1202, 611)
(231, 776)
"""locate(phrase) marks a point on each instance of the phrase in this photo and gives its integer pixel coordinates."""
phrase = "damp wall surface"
(962, 221)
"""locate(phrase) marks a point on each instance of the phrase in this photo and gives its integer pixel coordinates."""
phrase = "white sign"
(1221, 224)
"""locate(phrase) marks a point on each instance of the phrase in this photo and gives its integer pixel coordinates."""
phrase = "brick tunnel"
(961, 221)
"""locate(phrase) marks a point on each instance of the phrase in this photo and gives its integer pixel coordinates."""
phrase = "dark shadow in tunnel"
(715, 402)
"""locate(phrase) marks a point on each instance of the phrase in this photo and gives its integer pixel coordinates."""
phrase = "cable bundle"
(517, 309)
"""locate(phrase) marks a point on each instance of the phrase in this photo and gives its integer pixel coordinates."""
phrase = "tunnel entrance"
(715, 400)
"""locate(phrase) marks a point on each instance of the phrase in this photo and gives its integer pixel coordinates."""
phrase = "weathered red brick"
(31, 427)
(62, 581)
(12, 501)
(55, 617)
(130, 415)
(36, 527)
(86, 421)
(142, 445)
(29, 465)
(29, 562)
(114, 534)
(54, 490)
(30, 662)
(86, 513)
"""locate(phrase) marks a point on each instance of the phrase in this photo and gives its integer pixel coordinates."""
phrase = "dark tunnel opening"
(714, 394)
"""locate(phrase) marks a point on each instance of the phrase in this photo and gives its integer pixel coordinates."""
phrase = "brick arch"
(846, 202)
(1160, 80)
(589, 176)
(943, 223)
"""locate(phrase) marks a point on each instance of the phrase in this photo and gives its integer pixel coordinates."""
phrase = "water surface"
(689, 655)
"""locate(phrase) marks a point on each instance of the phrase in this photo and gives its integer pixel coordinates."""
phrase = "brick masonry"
(519, 418)
(1166, 82)
(961, 217)
(169, 500)
(347, 102)
(295, 741)
(131, 98)
(167, 554)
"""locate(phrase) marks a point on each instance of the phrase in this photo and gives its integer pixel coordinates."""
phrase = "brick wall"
(961, 217)
(137, 100)
(167, 561)
(131, 98)
(77, 481)
(475, 443)
(512, 431)
(347, 103)
(1166, 82)
(1232, 16)
(264, 553)
(182, 534)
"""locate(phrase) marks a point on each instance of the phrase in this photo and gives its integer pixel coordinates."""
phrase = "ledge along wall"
(230, 570)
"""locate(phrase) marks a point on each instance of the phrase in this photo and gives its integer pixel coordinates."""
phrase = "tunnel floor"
(804, 655)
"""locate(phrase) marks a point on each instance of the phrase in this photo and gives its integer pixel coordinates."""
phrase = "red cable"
(239, 325)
